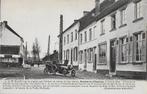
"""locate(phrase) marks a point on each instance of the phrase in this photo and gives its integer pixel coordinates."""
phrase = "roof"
(113, 7)
(51, 57)
(91, 16)
(74, 23)
(8, 27)
(106, 7)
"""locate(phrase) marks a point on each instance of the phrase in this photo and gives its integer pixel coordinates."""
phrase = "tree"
(36, 50)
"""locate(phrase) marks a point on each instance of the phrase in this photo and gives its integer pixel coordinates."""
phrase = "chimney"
(5, 22)
(85, 13)
(75, 20)
(97, 7)
(60, 39)
(48, 50)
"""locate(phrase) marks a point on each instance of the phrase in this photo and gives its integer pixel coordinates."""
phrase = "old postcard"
(73, 46)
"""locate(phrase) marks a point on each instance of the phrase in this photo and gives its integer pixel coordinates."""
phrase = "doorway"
(113, 56)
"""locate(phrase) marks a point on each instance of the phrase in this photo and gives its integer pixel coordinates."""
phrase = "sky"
(40, 18)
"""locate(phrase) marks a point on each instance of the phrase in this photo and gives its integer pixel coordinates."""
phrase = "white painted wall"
(88, 44)
(119, 32)
(71, 45)
(9, 38)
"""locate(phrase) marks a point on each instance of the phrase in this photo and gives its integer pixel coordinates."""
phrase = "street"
(36, 72)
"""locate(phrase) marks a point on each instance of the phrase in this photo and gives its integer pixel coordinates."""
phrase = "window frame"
(125, 47)
(138, 9)
(85, 33)
(100, 51)
(102, 27)
(76, 34)
(113, 21)
(68, 39)
(123, 16)
(140, 41)
(90, 34)
(71, 36)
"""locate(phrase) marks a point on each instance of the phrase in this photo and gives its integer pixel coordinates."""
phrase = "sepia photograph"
(87, 42)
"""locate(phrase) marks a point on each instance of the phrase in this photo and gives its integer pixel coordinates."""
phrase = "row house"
(122, 45)
(88, 37)
(87, 42)
(111, 38)
(70, 44)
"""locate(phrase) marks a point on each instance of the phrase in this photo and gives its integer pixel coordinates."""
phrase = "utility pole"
(0, 10)
(60, 38)
(26, 51)
(0, 29)
(48, 50)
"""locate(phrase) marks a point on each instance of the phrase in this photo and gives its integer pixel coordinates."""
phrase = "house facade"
(112, 38)
(122, 42)
(11, 45)
(70, 44)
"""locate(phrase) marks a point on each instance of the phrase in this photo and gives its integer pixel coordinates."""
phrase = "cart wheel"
(64, 72)
(73, 73)
(45, 71)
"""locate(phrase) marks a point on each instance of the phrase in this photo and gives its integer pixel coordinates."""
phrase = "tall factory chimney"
(60, 39)
(48, 50)
(0, 10)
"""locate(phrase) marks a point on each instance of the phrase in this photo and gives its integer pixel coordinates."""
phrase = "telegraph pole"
(0, 10)
(48, 50)
(0, 29)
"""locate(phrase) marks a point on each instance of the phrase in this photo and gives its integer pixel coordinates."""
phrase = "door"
(113, 56)
(94, 63)
(71, 57)
(85, 60)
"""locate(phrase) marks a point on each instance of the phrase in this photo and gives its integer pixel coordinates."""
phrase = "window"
(90, 55)
(140, 45)
(123, 49)
(64, 40)
(67, 39)
(76, 53)
(81, 56)
(123, 16)
(67, 54)
(102, 53)
(90, 34)
(85, 36)
(130, 49)
(94, 32)
(76, 34)
(113, 22)
(71, 36)
(102, 27)
(81, 38)
(138, 9)
(64, 55)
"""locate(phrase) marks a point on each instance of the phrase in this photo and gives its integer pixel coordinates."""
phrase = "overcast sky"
(39, 18)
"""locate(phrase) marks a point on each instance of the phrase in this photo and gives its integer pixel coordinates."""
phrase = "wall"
(88, 44)
(127, 30)
(70, 45)
(9, 38)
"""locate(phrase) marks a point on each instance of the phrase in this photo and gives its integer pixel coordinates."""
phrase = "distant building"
(51, 57)
(11, 46)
